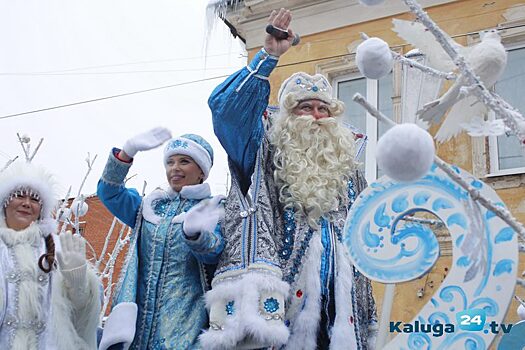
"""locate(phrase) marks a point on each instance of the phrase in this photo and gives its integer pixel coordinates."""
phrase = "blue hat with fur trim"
(193, 146)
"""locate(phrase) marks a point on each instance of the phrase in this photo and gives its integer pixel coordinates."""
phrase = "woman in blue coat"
(159, 300)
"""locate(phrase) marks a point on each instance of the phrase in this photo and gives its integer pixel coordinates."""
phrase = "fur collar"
(31, 235)
(196, 192)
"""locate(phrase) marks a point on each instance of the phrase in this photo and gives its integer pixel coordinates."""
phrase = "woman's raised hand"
(146, 141)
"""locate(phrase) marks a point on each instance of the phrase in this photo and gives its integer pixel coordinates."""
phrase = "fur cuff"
(246, 312)
(120, 326)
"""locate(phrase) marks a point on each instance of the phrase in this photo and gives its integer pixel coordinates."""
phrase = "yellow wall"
(456, 19)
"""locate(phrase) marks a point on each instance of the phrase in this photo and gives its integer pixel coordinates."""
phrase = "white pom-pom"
(79, 208)
(64, 215)
(371, 2)
(374, 58)
(405, 152)
(521, 312)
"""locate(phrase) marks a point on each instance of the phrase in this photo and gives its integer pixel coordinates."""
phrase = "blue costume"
(165, 273)
(326, 300)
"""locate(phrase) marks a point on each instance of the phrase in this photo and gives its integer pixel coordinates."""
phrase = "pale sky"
(55, 52)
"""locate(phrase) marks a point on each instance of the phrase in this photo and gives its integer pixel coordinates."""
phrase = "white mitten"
(72, 259)
(203, 217)
(146, 141)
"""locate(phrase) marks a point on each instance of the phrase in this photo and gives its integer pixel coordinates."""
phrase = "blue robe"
(237, 106)
(164, 273)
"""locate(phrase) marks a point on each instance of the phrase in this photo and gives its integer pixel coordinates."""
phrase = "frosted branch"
(501, 212)
(9, 162)
(412, 63)
(25, 143)
(90, 166)
(425, 69)
(106, 243)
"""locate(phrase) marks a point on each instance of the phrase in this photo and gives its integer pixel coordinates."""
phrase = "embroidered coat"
(261, 235)
(164, 273)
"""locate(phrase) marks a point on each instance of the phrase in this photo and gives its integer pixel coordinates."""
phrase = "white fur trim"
(304, 313)
(199, 154)
(120, 326)
(32, 176)
(343, 332)
(199, 191)
(247, 327)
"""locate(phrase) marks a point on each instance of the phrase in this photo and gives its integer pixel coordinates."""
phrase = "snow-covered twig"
(412, 63)
(25, 142)
(425, 69)
(109, 269)
(501, 212)
(514, 120)
(9, 162)
(90, 166)
(106, 243)
(62, 210)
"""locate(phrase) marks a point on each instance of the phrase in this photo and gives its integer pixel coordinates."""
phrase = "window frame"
(492, 141)
(371, 123)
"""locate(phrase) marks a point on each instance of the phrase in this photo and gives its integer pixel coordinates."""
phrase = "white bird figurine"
(487, 59)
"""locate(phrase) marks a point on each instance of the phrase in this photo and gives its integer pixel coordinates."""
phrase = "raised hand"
(280, 19)
(146, 141)
(73, 252)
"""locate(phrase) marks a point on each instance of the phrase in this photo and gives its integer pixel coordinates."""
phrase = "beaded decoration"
(23, 192)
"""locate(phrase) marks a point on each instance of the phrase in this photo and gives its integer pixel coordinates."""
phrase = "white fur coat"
(36, 309)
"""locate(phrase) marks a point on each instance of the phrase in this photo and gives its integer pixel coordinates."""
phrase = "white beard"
(313, 160)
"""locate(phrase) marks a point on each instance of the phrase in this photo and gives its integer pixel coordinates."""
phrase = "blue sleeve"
(122, 202)
(208, 247)
(237, 106)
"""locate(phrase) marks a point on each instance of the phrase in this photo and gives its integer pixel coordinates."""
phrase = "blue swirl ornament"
(388, 249)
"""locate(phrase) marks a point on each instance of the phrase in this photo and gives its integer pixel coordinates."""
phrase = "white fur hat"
(302, 86)
(193, 146)
(30, 177)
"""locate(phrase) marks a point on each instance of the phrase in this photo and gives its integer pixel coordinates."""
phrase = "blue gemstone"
(271, 305)
(229, 308)
(298, 81)
(315, 88)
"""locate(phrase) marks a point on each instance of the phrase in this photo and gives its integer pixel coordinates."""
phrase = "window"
(379, 94)
(506, 154)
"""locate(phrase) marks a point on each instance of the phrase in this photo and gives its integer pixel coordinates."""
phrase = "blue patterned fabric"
(207, 247)
(163, 273)
(242, 143)
(201, 141)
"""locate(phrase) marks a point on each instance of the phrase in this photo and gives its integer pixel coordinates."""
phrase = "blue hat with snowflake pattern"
(193, 146)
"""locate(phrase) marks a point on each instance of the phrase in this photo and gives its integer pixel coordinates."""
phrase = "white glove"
(72, 259)
(146, 141)
(203, 217)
